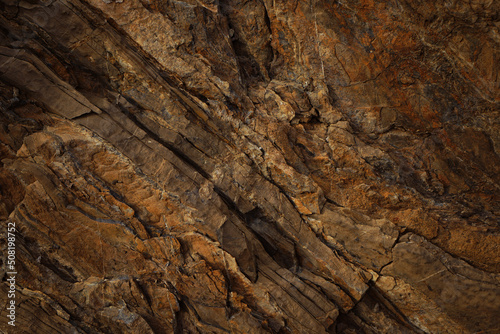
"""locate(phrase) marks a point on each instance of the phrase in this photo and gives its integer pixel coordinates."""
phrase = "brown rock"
(250, 167)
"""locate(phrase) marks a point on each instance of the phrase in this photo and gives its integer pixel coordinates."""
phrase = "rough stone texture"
(262, 166)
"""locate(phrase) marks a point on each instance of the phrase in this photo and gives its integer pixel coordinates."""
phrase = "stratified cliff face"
(253, 166)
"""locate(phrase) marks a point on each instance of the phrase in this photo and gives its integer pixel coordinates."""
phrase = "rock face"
(253, 166)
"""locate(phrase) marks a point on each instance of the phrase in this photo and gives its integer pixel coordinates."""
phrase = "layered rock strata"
(251, 167)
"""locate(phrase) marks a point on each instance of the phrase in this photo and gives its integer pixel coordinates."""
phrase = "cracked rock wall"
(251, 166)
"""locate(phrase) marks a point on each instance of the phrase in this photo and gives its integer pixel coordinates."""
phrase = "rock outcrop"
(253, 166)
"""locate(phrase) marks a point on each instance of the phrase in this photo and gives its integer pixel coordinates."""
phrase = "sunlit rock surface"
(251, 166)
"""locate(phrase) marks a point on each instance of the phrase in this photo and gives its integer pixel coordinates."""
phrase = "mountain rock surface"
(259, 166)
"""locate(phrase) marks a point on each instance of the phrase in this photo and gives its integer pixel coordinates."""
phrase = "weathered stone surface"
(251, 167)
(465, 293)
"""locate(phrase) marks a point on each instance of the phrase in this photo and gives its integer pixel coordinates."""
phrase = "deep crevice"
(164, 143)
